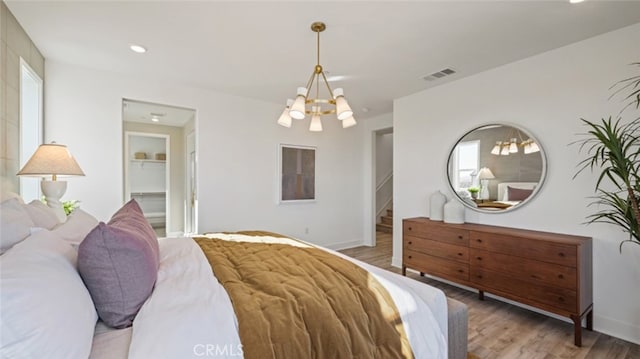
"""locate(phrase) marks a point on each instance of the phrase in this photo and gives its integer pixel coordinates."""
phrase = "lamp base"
(484, 189)
(53, 191)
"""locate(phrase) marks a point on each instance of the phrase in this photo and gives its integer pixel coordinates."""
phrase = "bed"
(509, 195)
(192, 309)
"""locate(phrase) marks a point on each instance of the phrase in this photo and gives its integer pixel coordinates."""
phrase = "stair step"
(387, 220)
(390, 213)
(386, 228)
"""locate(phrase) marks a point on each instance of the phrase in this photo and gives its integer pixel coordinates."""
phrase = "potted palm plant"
(613, 149)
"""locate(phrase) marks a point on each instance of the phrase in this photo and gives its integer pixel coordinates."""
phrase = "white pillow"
(46, 310)
(42, 215)
(78, 225)
(7, 195)
(15, 223)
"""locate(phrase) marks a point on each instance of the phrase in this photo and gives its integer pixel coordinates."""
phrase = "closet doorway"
(159, 164)
(147, 177)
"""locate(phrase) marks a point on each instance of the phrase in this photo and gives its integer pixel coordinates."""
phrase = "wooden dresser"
(549, 271)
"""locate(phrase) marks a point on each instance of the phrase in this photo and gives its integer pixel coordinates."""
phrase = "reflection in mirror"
(496, 168)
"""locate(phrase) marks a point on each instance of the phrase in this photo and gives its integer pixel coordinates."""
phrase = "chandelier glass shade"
(512, 144)
(308, 100)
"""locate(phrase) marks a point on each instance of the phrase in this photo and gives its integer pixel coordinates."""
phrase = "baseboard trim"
(616, 328)
(396, 262)
(345, 245)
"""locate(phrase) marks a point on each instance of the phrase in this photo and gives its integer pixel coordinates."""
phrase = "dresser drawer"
(525, 269)
(437, 266)
(558, 253)
(435, 248)
(437, 232)
(525, 292)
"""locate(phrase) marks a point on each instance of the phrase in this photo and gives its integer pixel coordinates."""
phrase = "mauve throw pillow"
(518, 194)
(118, 262)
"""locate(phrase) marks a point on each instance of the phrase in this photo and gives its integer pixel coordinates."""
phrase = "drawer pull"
(459, 237)
(410, 242)
(479, 276)
(560, 276)
(561, 254)
(560, 299)
(410, 228)
(479, 258)
(535, 276)
(409, 257)
(461, 270)
(460, 254)
(479, 240)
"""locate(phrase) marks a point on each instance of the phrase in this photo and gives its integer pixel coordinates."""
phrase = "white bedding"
(189, 314)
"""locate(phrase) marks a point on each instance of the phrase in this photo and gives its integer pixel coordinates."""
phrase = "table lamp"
(55, 160)
(484, 175)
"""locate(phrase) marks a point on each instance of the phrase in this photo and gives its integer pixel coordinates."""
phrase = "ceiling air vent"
(440, 74)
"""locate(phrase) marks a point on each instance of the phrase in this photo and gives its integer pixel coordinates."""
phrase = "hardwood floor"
(501, 330)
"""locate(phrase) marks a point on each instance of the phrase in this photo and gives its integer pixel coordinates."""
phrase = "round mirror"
(496, 168)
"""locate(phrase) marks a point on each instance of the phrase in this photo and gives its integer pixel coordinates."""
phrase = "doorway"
(160, 164)
(147, 177)
(383, 181)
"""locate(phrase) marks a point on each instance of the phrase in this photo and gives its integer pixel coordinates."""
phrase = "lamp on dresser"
(484, 175)
(52, 159)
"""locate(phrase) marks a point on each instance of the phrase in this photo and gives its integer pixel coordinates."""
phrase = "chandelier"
(305, 104)
(511, 145)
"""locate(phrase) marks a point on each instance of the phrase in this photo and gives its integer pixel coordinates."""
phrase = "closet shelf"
(148, 161)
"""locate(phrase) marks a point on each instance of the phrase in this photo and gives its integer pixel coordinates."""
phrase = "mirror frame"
(536, 190)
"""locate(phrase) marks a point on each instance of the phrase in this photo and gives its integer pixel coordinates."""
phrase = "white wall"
(546, 94)
(237, 154)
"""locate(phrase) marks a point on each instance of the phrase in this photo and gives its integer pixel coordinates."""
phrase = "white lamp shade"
(534, 147)
(342, 107)
(285, 119)
(485, 174)
(316, 123)
(527, 148)
(349, 122)
(513, 147)
(496, 148)
(505, 149)
(298, 108)
(51, 159)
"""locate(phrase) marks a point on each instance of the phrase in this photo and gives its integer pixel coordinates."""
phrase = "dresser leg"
(481, 294)
(404, 271)
(590, 320)
(422, 274)
(577, 329)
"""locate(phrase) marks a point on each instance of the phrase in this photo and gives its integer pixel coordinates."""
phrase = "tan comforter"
(294, 302)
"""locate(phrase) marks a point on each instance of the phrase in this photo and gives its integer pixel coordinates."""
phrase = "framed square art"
(297, 172)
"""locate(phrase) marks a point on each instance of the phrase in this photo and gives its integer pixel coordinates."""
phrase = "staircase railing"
(384, 194)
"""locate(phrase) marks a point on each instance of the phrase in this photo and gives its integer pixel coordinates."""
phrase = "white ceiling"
(265, 49)
(143, 112)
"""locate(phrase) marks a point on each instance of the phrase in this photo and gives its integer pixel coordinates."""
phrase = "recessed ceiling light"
(155, 119)
(137, 48)
(575, 1)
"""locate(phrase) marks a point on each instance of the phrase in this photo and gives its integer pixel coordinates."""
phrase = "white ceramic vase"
(436, 206)
(453, 212)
